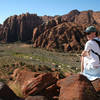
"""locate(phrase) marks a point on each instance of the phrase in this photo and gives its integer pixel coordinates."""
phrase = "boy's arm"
(85, 53)
(82, 63)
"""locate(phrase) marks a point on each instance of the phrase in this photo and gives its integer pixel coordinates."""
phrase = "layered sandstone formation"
(68, 34)
(64, 32)
(64, 36)
(20, 27)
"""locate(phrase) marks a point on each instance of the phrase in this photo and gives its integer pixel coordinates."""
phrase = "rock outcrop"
(68, 34)
(64, 36)
(38, 84)
(1, 31)
(21, 76)
(20, 27)
(49, 86)
(85, 17)
(77, 87)
(96, 16)
(70, 17)
(64, 32)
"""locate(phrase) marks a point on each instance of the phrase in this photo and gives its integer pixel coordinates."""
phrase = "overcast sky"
(45, 7)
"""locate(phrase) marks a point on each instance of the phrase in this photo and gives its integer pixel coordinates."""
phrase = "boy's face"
(91, 36)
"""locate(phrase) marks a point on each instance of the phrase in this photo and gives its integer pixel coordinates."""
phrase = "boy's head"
(90, 30)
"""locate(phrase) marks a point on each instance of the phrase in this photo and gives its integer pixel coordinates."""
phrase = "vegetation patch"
(15, 55)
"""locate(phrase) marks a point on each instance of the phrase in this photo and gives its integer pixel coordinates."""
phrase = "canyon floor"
(26, 54)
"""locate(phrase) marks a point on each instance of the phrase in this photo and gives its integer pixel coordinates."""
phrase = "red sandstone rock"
(51, 92)
(65, 36)
(22, 76)
(96, 84)
(77, 87)
(20, 27)
(36, 85)
(64, 32)
(36, 98)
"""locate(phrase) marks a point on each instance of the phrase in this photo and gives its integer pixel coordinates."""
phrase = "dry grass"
(10, 54)
(16, 89)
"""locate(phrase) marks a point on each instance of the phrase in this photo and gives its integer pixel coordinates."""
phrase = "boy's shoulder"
(97, 41)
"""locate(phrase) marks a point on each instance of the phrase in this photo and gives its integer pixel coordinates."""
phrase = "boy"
(90, 57)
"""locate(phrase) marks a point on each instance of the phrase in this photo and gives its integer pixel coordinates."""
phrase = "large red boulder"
(38, 84)
(21, 76)
(77, 87)
(96, 84)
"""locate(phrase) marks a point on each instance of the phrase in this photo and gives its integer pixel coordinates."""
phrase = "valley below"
(26, 55)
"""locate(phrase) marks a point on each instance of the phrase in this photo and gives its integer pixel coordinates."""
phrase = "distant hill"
(51, 32)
